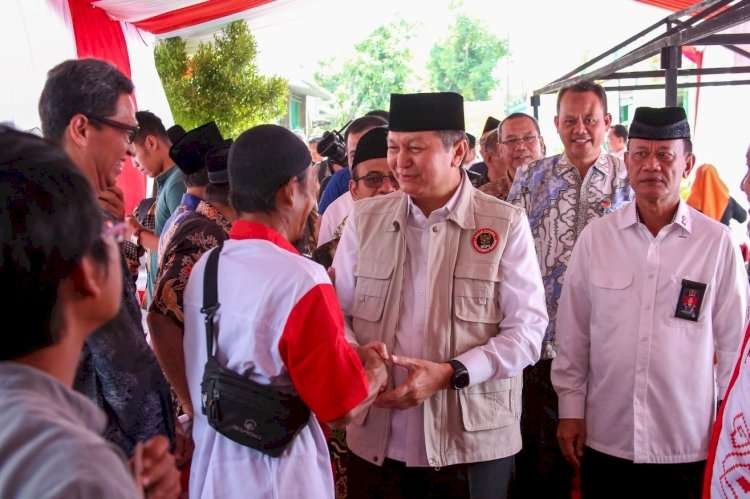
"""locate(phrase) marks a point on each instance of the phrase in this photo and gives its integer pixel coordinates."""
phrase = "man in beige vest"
(447, 278)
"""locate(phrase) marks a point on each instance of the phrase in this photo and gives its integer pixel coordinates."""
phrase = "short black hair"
(471, 140)
(197, 179)
(86, 86)
(514, 116)
(620, 131)
(364, 123)
(252, 199)
(49, 220)
(380, 113)
(582, 87)
(217, 193)
(150, 124)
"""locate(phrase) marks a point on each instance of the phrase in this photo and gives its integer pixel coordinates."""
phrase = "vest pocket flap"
(611, 279)
(476, 301)
(487, 406)
(480, 271)
(374, 270)
(371, 290)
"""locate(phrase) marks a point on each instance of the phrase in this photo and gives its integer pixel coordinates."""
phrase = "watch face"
(461, 380)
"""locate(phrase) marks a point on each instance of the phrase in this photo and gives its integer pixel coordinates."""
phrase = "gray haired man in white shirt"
(653, 295)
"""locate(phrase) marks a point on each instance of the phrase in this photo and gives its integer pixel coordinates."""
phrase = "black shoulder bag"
(251, 414)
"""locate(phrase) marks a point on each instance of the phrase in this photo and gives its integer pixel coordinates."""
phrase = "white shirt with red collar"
(279, 322)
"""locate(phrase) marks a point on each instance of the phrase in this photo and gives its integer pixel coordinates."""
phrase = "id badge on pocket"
(690, 301)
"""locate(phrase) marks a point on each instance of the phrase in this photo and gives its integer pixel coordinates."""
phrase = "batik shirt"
(188, 205)
(559, 204)
(196, 233)
(120, 373)
(497, 188)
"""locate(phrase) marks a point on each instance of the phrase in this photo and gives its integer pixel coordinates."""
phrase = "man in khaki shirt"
(447, 278)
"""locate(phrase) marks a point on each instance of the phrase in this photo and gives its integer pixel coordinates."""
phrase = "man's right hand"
(571, 433)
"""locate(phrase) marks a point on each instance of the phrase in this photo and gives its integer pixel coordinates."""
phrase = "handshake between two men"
(423, 379)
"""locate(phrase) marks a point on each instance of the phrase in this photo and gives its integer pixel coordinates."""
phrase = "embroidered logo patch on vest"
(484, 240)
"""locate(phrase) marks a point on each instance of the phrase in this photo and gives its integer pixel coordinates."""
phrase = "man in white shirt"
(447, 278)
(650, 320)
(279, 324)
(617, 139)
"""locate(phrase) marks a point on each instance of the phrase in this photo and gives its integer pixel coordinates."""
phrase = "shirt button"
(434, 228)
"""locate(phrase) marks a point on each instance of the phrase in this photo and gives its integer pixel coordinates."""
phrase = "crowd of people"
(415, 323)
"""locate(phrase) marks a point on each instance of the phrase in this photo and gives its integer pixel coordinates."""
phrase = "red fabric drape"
(196, 14)
(99, 36)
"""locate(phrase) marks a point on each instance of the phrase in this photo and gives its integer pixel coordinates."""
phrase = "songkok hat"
(372, 145)
(266, 157)
(426, 112)
(659, 123)
(490, 124)
(189, 153)
(216, 163)
(175, 133)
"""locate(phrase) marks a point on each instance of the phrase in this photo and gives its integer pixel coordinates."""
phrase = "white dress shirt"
(644, 379)
(504, 356)
(336, 212)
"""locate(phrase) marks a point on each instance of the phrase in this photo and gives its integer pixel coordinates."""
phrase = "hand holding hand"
(374, 356)
(425, 378)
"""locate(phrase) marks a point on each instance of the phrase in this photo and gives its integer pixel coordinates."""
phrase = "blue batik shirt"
(559, 204)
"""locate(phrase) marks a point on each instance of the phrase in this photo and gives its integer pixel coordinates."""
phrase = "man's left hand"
(425, 378)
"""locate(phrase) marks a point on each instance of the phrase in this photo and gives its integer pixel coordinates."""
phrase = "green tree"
(219, 82)
(380, 66)
(464, 61)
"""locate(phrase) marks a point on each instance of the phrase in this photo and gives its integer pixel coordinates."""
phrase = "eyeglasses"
(374, 180)
(132, 130)
(529, 139)
(117, 231)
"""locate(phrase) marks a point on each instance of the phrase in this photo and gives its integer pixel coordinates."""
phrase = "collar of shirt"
(457, 208)
(212, 213)
(601, 163)
(629, 216)
(164, 176)
(189, 201)
(244, 229)
(20, 378)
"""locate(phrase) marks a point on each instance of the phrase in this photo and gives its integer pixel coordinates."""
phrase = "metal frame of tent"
(700, 24)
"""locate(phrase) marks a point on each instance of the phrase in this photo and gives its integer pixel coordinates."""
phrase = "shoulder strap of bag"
(211, 296)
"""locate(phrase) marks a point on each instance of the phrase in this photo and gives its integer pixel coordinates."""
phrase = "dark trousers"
(394, 480)
(604, 476)
(541, 470)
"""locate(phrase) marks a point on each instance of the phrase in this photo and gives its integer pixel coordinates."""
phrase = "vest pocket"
(475, 300)
(370, 291)
(487, 406)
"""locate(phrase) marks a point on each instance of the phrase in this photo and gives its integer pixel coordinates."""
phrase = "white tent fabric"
(137, 10)
(37, 36)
